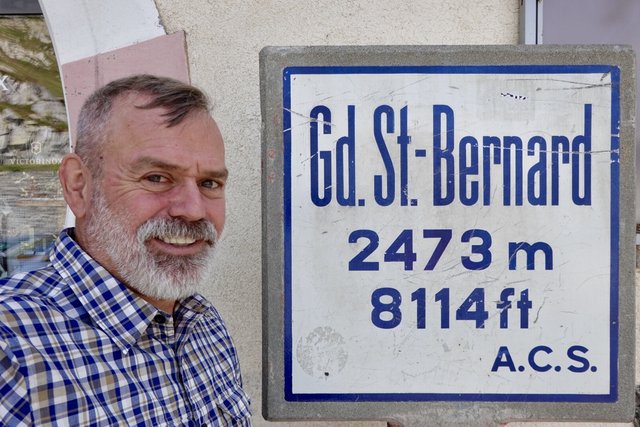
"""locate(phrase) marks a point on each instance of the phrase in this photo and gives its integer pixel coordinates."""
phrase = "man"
(112, 332)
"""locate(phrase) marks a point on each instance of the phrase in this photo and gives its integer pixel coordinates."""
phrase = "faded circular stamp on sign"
(321, 354)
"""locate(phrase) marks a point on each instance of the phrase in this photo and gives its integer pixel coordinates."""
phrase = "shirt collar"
(113, 307)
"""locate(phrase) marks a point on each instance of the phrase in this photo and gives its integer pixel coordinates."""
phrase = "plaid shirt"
(78, 348)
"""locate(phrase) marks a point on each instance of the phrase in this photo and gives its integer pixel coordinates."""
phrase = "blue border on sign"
(615, 225)
(288, 72)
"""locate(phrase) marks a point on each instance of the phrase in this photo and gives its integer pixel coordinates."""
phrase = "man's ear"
(76, 184)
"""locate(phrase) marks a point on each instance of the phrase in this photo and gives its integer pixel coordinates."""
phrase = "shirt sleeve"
(15, 410)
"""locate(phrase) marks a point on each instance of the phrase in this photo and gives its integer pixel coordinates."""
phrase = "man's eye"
(210, 184)
(156, 178)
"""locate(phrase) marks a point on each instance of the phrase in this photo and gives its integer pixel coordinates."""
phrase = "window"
(33, 138)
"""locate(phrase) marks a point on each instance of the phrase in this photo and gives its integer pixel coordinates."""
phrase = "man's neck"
(164, 305)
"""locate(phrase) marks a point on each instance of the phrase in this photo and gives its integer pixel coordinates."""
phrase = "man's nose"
(187, 202)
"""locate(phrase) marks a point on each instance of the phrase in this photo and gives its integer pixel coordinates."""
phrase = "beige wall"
(223, 41)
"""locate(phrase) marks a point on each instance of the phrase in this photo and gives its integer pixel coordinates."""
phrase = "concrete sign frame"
(446, 236)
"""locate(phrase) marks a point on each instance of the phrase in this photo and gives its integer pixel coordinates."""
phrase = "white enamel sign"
(451, 233)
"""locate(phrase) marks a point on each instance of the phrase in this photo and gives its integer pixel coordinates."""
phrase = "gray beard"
(152, 273)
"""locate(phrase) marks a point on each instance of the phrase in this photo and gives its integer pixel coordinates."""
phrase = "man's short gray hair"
(177, 98)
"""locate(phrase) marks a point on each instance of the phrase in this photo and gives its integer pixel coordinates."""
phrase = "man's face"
(159, 206)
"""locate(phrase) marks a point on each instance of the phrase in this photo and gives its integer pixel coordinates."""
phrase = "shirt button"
(160, 319)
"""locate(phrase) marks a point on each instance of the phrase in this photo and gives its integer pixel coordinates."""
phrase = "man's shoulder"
(43, 282)
(24, 293)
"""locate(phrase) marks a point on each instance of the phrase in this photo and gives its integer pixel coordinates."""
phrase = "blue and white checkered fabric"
(78, 348)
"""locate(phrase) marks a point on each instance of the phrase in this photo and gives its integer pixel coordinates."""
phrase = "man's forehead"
(142, 135)
(126, 112)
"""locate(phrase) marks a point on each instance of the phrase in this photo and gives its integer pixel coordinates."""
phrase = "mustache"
(177, 228)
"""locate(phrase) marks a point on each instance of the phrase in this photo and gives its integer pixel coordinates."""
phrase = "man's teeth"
(178, 240)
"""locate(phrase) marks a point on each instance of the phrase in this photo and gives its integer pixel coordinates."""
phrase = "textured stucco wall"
(223, 41)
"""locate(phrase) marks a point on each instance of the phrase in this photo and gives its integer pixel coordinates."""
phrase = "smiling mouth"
(178, 241)
(177, 237)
